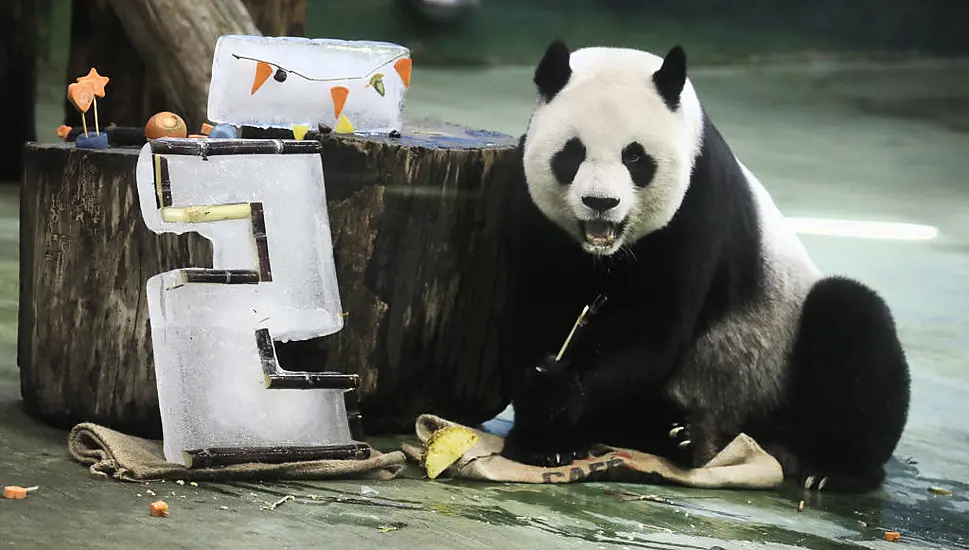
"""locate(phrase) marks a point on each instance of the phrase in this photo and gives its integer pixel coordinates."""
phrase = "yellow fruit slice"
(445, 447)
(343, 125)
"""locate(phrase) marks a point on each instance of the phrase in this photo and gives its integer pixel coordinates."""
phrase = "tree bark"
(98, 40)
(18, 83)
(278, 17)
(84, 348)
(135, 93)
(176, 40)
(415, 225)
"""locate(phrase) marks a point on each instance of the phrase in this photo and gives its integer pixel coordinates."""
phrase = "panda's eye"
(633, 153)
(641, 166)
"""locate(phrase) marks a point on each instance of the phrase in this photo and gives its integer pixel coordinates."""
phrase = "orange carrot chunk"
(893, 536)
(159, 509)
(14, 492)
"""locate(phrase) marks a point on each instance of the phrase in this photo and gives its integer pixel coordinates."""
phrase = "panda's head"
(611, 145)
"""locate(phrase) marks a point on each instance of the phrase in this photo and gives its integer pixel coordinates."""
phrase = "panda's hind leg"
(849, 388)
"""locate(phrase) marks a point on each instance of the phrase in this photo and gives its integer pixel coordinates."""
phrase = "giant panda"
(715, 321)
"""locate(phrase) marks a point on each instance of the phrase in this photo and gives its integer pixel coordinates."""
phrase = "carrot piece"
(403, 66)
(893, 536)
(339, 95)
(263, 72)
(97, 81)
(159, 509)
(81, 95)
(14, 492)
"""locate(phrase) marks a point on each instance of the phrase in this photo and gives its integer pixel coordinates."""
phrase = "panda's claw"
(815, 482)
(680, 431)
(809, 482)
(684, 444)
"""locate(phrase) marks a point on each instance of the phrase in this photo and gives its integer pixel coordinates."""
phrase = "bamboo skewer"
(589, 309)
(97, 131)
(571, 334)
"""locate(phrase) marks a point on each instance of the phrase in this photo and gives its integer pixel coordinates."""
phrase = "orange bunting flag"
(339, 94)
(263, 71)
(403, 69)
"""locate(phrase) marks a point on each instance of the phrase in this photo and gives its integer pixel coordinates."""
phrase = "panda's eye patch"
(641, 166)
(633, 153)
(566, 162)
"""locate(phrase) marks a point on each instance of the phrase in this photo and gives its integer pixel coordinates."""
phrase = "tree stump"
(416, 230)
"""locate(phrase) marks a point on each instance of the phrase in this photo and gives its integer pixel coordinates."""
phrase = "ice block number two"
(275, 377)
(222, 391)
(252, 211)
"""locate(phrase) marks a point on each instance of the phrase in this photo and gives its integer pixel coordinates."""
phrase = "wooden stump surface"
(420, 265)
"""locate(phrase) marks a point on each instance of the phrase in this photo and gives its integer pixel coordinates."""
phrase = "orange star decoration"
(97, 81)
(94, 84)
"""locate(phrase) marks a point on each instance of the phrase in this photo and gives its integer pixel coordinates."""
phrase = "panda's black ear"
(553, 71)
(671, 77)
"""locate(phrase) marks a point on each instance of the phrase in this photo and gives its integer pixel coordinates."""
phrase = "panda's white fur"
(609, 101)
(607, 106)
(743, 364)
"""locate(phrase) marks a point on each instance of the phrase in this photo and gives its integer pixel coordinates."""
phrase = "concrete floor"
(856, 143)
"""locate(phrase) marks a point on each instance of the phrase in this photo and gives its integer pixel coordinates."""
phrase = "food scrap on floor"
(16, 492)
(159, 509)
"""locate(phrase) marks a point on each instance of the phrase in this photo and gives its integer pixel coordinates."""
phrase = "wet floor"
(867, 143)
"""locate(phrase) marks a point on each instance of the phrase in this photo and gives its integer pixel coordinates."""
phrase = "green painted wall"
(713, 31)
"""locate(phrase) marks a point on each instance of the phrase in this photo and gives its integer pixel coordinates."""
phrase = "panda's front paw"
(550, 396)
(694, 443)
(542, 458)
(542, 451)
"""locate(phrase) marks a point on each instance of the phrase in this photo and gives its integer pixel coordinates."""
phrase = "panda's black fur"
(843, 406)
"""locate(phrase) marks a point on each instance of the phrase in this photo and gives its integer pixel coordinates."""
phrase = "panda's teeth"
(599, 241)
(600, 233)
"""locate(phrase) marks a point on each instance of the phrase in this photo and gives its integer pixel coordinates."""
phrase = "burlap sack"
(743, 464)
(128, 458)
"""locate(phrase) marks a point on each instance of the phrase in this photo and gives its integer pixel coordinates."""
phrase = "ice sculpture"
(262, 204)
(284, 81)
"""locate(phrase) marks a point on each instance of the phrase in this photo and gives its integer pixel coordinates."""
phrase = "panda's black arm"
(637, 343)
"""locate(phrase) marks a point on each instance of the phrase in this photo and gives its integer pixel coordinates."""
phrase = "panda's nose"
(600, 204)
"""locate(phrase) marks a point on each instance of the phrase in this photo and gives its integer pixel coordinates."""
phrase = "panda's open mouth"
(601, 233)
